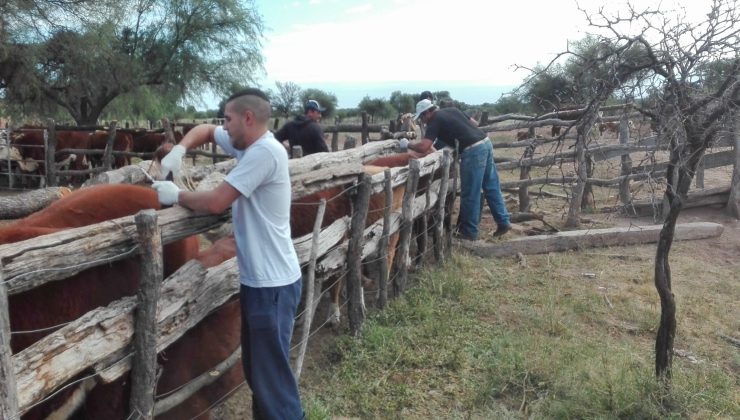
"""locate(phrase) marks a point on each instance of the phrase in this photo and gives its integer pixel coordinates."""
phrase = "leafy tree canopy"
(81, 55)
(376, 107)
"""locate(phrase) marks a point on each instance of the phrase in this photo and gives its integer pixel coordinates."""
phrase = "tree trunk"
(573, 219)
(666, 334)
(733, 203)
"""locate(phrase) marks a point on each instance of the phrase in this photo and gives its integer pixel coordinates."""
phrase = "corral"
(323, 253)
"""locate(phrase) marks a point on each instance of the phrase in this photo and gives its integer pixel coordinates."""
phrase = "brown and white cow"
(150, 141)
(56, 303)
(30, 144)
(123, 142)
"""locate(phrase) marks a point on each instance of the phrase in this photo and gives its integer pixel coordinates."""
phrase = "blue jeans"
(478, 172)
(268, 315)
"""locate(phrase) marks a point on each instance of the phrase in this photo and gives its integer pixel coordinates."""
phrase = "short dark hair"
(254, 100)
(426, 95)
(249, 91)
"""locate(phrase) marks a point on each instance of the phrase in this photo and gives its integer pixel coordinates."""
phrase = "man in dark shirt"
(305, 130)
(477, 170)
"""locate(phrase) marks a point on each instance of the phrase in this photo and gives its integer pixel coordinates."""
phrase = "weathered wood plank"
(21, 205)
(591, 238)
(28, 264)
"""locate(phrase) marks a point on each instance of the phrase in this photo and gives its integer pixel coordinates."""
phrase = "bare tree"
(690, 109)
(286, 98)
(685, 76)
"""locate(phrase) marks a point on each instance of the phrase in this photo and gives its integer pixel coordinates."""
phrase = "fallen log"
(21, 205)
(591, 238)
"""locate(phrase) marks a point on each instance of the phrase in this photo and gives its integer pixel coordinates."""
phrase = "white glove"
(167, 192)
(173, 161)
(403, 144)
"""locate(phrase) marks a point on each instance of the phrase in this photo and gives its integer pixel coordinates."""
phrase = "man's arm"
(215, 201)
(198, 136)
(424, 146)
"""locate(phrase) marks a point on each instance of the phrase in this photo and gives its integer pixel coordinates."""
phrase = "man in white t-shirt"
(259, 194)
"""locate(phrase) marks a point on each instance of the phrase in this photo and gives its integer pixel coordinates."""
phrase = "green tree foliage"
(144, 103)
(327, 100)
(510, 104)
(81, 55)
(403, 102)
(376, 108)
(548, 89)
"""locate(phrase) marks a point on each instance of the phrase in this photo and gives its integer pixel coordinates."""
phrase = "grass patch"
(489, 339)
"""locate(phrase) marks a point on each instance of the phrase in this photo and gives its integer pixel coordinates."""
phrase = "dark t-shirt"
(449, 124)
(304, 132)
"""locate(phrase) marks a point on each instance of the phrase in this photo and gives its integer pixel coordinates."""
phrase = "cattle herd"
(37, 312)
(28, 151)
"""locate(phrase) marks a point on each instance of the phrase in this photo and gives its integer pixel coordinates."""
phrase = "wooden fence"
(27, 377)
(593, 154)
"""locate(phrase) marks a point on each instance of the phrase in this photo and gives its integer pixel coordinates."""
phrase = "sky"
(358, 48)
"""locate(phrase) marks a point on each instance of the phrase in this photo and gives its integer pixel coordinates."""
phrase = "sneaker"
(501, 230)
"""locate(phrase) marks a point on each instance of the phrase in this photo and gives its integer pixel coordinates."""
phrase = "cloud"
(472, 41)
(360, 8)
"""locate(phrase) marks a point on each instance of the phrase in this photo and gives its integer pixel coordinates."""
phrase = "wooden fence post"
(144, 365)
(407, 219)
(483, 119)
(50, 142)
(421, 227)
(276, 124)
(441, 207)
(108, 151)
(733, 202)
(354, 254)
(524, 174)
(296, 152)
(349, 142)
(10, 171)
(700, 173)
(574, 210)
(625, 195)
(310, 305)
(335, 136)
(8, 387)
(365, 135)
(384, 239)
(169, 135)
(451, 204)
(588, 190)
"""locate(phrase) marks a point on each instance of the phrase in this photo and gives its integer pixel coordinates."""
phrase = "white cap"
(422, 106)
